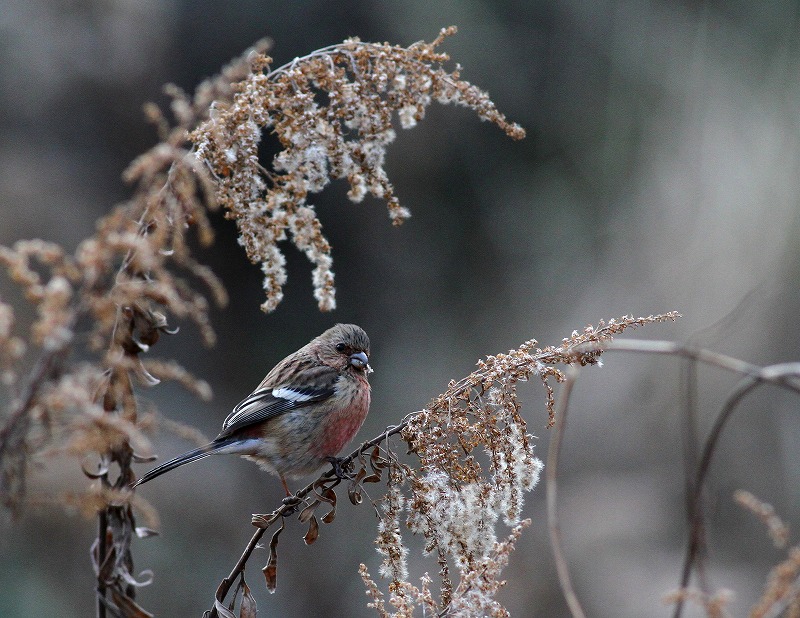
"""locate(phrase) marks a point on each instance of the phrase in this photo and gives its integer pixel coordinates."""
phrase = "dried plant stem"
(44, 366)
(551, 474)
(773, 374)
(14, 428)
(290, 507)
(238, 569)
(694, 502)
(691, 449)
(516, 366)
(102, 525)
(783, 375)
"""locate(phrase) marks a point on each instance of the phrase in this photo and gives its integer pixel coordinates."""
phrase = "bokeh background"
(660, 172)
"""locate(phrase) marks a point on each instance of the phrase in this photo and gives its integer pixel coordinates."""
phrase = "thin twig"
(764, 374)
(16, 423)
(102, 524)
(694, 505)
(22, 405)
(783, 375)
(691, 448)
(551, 474)
(238, 569)
(288, 508)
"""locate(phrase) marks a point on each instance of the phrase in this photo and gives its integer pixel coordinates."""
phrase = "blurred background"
(660, 172)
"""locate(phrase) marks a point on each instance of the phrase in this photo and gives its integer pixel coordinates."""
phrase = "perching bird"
(302, 414)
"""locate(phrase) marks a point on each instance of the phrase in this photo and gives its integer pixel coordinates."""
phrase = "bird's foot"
(338, 469)
(291, 500)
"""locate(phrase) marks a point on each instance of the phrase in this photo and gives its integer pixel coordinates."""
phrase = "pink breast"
(342, 426)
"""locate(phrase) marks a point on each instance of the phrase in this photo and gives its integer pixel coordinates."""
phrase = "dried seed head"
(332, 112)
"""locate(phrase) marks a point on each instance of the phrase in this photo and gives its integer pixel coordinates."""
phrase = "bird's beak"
(360, 360)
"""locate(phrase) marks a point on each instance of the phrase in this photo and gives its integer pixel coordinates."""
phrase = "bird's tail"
(190, 456)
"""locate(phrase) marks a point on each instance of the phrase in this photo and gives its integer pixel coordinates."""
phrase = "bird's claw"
(338, 470)
(291, 500)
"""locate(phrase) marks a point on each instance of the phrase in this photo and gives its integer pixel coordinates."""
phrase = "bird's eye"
(340, 347)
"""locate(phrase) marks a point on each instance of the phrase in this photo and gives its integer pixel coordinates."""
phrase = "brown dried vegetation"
(71, 372)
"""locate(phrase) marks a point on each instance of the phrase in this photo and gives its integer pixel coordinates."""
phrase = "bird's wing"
(269, 401)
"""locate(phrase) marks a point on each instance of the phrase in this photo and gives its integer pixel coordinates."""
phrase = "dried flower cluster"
(118, 282)
(472, 462)
(475, 463)
(714, 605)
(70, 374)
(71, 363)
(332, 112)
(781, 596)
(115, 291)
(108, 303)
(777, 529)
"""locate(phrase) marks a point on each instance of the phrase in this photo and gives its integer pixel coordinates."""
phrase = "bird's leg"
(285, 486)
(290, 498)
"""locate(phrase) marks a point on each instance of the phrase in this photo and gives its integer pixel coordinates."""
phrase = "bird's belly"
(299, 442)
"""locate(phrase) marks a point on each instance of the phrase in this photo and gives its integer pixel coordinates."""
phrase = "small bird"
(302, 414)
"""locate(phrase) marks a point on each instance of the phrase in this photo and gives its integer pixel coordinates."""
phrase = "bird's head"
(344, 346)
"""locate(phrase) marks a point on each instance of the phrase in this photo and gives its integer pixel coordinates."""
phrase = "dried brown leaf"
(271, 569)
(330, 498)
(313, 531)
(128, 607)
(354, 490)
(223, 611)
(308, 512)
(248, 608)
(376, 462)
(263, 521)
(102, 470)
